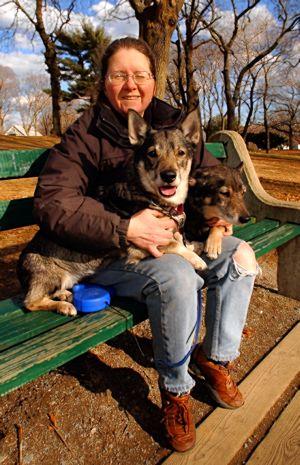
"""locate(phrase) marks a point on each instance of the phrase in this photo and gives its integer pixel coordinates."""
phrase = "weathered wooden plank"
(27, 361)
(281, 446)
(16, 213)
(274, 239)
(28, 163)
(221, 435)
(21, 163)
(19, 326)
(250, 231)
(217, 149)
(10, 305)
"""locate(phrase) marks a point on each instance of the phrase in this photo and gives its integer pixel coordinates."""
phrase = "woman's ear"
(154, 90)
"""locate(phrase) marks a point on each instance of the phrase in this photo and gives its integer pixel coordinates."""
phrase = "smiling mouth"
(167, 191)
(131, 97)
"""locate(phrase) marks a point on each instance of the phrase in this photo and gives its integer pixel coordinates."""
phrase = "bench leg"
(288, 272)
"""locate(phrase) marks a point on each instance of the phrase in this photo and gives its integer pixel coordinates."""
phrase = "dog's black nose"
(168, 176)
(244, 219)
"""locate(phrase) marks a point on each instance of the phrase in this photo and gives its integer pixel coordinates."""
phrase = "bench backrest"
(16, 164)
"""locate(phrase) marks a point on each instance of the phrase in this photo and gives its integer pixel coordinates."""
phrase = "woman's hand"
(148, 229)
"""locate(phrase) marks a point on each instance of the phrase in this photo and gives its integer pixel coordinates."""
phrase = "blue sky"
(25, 56)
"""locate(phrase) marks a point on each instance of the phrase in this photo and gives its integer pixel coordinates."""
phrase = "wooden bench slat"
(282, 443)
(217, 149)
(275, 238)
(18, 326)
(16, 213)
(28, 163)
(223, 433)
(21, 163)
(250, 231)
(26, 361)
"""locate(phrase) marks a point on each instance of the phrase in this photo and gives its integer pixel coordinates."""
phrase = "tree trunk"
(53, 69)
(251, 107)
(292, 144)
(228, 95)
(267, 127)
(156, 25)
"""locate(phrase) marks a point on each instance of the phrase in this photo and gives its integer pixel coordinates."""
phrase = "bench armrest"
(260, 203)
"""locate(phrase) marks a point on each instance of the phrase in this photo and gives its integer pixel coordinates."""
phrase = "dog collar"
(176, 213)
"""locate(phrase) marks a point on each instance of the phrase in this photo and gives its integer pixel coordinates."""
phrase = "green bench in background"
(32, 344)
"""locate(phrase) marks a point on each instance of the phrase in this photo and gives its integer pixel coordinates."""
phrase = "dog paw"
(213, 248)
(212, 255)
(66, 308)
(198, 263)
(64, 295)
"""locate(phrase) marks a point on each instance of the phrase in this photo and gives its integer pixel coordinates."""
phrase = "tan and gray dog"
(216, 193)
(157, 178)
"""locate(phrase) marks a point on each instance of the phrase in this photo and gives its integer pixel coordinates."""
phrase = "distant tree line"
(241, 65)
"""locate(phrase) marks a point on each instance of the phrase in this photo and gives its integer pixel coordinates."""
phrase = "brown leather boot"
(178, 421)
(218, 380)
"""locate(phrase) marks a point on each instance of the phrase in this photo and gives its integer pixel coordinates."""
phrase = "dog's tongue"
(167, 190)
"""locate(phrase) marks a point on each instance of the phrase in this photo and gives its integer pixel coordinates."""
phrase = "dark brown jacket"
(93, 153)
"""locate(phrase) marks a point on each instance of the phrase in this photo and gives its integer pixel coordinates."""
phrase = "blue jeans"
(169, 287)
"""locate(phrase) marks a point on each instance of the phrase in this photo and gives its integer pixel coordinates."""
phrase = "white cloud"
(25, 42)
(24, 63)
(109, 19)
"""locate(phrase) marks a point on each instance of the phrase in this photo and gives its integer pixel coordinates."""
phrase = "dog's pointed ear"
(137, 128)
(240, 167)
(190, 127)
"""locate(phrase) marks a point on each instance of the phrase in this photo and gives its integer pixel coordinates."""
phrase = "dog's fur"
(159, 179)
(216, 193)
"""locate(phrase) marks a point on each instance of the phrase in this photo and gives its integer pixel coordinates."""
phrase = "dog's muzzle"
(168, 176)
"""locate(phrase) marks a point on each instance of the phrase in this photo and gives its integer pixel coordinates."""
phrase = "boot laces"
(177, 413)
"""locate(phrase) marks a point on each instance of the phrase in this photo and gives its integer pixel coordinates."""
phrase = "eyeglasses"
(140, 77)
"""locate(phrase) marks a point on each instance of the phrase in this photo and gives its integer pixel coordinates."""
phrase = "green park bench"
(33, 343)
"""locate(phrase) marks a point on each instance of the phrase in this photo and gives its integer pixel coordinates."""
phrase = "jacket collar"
(113, 125)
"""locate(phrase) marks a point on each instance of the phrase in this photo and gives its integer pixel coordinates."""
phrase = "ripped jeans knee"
(244, 262)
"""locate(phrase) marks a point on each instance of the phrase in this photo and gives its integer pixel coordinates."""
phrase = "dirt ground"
(105, 404)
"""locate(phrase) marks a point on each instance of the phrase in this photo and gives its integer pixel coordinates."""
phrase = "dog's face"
(218, 192)
(164, 157)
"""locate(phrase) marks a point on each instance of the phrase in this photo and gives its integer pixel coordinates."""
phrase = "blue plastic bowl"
(89, 298)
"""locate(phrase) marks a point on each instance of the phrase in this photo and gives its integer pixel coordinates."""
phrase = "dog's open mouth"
(167, 191)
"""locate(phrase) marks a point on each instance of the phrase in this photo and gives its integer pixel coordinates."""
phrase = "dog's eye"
(152, 154)
(181, 152)
(224, 191)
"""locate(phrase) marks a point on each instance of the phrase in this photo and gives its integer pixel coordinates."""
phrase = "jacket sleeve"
(62, 206)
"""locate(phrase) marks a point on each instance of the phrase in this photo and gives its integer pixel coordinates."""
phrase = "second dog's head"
(164, 157)
(218, 193)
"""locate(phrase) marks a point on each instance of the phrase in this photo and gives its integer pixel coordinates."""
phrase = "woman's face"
(129, 94)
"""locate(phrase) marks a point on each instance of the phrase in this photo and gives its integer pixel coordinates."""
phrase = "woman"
(93, 154)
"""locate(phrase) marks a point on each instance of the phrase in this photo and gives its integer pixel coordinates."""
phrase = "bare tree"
(208, 65)
(33, 101)
(36, 18)
(8, 90)
(226, 40)
(157, 22)
(187, 43)
(286, 111)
